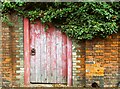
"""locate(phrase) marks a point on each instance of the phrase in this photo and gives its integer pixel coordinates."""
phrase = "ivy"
(80, 21)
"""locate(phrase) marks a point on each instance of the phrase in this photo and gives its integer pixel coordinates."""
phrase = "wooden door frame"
(27, 55)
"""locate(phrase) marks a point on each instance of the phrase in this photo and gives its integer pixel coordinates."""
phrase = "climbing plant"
(79, 20)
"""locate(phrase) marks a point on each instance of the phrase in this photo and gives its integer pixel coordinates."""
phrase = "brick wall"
(0, 50)
(12, 52)
(6, 57)
(78, 57)
(17, 51)
(111, 60)
(94, 61)
(102, 62)
(119, 58)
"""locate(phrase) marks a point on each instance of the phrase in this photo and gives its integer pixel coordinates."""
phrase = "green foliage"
(80, 21)
(7, 20)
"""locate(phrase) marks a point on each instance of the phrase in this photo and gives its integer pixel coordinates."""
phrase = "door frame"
(27, 55)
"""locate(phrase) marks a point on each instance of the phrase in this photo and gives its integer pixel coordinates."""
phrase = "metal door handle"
(33, 52)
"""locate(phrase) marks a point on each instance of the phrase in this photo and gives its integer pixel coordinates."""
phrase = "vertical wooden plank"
(48, 55)
(37, 49)
(32, 58)
(40, 54)
(53, 56)
(35, 60)
(26, 52)
(43, 54)
(69, 62)
(59, 56)
(64, 58)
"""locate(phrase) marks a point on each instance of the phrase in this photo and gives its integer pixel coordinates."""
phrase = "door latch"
(33, 52)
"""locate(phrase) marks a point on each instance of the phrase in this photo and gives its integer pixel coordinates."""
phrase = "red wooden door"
(48, 55)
